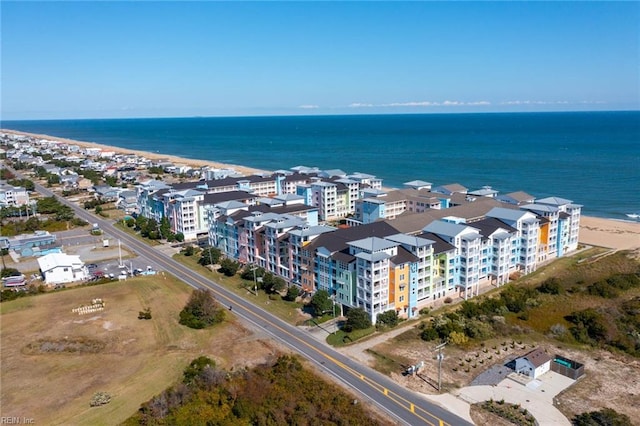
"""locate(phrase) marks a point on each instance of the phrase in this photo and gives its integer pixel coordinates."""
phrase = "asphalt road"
(402, 405)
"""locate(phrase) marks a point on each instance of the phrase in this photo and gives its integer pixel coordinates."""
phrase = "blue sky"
(174, 59)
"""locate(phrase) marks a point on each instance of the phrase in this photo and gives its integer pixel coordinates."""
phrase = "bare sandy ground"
(616, 234)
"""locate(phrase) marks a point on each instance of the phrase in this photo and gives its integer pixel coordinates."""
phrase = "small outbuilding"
(534, 363)
(59, 268)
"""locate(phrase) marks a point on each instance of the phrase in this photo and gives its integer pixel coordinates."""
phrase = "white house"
(58, 268)
(533, 364)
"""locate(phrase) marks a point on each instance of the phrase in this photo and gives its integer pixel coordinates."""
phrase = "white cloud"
(361, 105)
(309, 106)
(530, 102)
(418, 104)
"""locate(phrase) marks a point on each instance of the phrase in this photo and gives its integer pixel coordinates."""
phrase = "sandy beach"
(616, 234)
(149, 155)
(610, 233)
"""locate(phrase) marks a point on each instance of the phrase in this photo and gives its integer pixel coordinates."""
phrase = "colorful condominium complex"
(369, 247)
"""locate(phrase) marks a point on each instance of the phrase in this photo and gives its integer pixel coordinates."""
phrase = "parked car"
(92, 266)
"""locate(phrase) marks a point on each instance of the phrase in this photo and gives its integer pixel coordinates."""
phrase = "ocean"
(591, 158)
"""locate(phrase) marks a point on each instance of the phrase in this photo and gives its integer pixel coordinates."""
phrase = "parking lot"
(104, 260)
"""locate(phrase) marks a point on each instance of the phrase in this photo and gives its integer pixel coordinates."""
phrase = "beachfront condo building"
(333, 193)
(377, 267)
(404, 249)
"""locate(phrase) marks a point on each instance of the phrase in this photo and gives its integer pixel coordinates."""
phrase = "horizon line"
(319, 115)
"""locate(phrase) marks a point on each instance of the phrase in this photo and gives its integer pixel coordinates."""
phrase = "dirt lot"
(115, 352)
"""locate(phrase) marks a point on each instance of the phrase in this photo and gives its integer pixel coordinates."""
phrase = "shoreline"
(146, 154)
(611, 233)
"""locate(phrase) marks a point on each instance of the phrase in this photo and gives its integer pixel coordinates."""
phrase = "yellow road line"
(401, 401)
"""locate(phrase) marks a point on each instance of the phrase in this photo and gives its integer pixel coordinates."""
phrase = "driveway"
(534, 395)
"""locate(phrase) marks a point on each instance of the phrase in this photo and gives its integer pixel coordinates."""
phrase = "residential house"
(58, 268)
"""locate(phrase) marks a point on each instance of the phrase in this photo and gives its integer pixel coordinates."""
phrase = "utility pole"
(255, 282)
(440, 357)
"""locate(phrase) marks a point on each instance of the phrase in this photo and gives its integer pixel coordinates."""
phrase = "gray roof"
(338, 240)
(440, 245)
(490, 225)
(540, 208)
(507, 214)
(452, 187)
(404, 256)
(554, 201)
(231, 204)
(449, 229)
(311, 230)
(373, 244)
(373, 257)
(410, 240)
(220, 197)
(417, 184)
(519, 196)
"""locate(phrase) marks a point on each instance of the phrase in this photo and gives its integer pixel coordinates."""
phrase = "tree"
(272, 283)
(150, 230)
(320, 302)
(130, 222)
(388, 318)
(141, 222)
(357, 319)
(209, 256)
(64, 213)
(6, 174)
(201, 310)
(292, 293)
(111, 180)
(189, 250)
(165, 227)
(53, 179)
(229, 267)
(195, 369)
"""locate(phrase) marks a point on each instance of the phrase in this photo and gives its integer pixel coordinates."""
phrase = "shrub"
(320, 302)
(195, 368)
(229, 267)
(604, 417)
(292, 293)
(458, 338)
(357, 319)
(550, 286)
(448, 300)
(429, 334)
(201, 310)
(424, 311)
(145, 315)
(100, 398)
(602, 289)
(588, 326)
(209, 255)
(388, 319)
